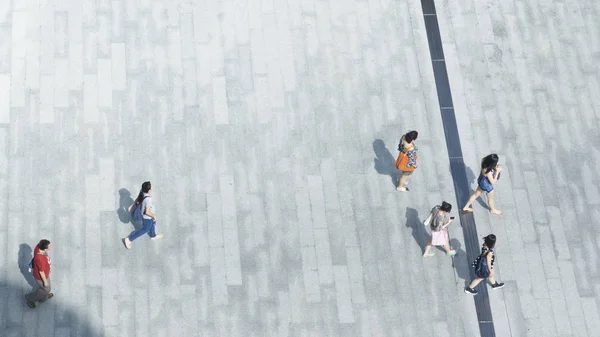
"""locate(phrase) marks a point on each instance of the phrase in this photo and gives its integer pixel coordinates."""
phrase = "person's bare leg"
(475, 282)
(492, 204)
(427, 249)
(472, 199)
(402, 182)
(447, 249)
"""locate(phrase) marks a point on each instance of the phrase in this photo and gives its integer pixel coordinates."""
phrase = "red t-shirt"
(41, 262)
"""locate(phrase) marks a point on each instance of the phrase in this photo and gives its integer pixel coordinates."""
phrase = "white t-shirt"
(147, 203)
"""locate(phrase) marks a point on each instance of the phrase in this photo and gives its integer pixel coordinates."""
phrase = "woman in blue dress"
(490, 172)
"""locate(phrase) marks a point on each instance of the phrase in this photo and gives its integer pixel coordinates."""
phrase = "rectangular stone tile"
(534, 261)
(142, 311)
(227, 188)
(17, 83)
(90, 51)
(189, 310)
(118, 72)
(47, 87)
(75, 66)
(355, 272)
(110, 303)
(590, 310)
(187, 36)
(232, 257)
(200, 248)
(32, 70)
(311, 275)
(579, 326)
(221, 113)
(544, 308)
(283, 314)
(305, 225)
(323, 252)
(5, 96)
(90, 99)
(218, 276)
(297, 300)
(569, 284)
(343, 295)
(558, 233)
(215, 227)
(317, 201)
(60, 84)
(559, 307)
(263, 279)
(174, 51)
(525, 217)
(104, 83)
(259, 57)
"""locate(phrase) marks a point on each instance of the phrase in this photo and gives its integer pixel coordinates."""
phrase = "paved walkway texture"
(269, 131)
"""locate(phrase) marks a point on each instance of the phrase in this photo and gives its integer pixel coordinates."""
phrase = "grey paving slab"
(269, 131)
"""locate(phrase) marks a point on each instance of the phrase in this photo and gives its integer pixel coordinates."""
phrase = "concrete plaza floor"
(269, 131)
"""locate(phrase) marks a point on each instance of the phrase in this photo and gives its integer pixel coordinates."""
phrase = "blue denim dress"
(484, 183)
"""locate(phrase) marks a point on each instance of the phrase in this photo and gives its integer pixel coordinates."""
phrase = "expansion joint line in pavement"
(457, 164)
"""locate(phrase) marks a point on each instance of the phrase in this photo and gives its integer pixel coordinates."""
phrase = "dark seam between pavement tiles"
(457, 164)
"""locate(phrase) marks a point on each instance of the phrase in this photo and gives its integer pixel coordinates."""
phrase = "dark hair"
(490, 241)
(146, 187)
(410, 136)
(43, 244)
(446, 207)
(489, 162)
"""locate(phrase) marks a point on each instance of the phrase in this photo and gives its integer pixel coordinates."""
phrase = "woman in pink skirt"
(439, 220)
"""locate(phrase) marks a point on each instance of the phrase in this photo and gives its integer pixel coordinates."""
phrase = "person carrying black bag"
(484, 266)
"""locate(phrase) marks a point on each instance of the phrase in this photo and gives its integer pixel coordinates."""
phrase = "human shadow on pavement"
(462, 269)
(384, 161)
(125, 200)
(419, 232)
(471, 177)
(19, 316)
(24, 257)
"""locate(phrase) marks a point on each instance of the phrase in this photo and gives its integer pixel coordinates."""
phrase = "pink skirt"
(439, 238)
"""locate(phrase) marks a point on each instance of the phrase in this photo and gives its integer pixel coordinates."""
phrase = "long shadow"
(125, 200)
(384, 162)
(24, 257)
(13, 311)
(418, 230)
(470, 177)
(462, 269)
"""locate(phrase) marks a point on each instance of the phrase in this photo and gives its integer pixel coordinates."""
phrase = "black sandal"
(30, 304)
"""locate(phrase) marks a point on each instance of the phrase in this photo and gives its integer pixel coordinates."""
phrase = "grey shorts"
(405, 173)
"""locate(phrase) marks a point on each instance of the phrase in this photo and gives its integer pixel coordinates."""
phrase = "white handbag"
(427, 221)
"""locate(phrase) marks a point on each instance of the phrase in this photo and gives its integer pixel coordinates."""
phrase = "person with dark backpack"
(484, 266)
(142, 210)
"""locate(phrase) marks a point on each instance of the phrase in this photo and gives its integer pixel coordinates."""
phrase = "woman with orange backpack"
(407, 158)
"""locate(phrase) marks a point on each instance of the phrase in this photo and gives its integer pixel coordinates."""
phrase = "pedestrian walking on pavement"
(484, 266)
(488, 177)
(407, 158)
(40, 268)
(144, 205)
(439, 219)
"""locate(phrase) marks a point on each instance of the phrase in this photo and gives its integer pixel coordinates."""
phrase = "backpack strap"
(144, 198)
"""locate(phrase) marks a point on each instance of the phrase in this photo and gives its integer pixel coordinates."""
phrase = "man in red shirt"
(41, 273)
